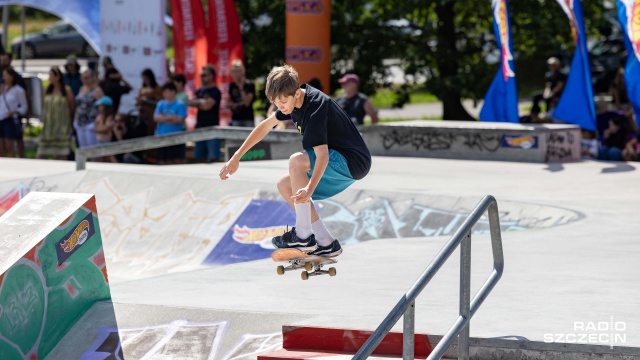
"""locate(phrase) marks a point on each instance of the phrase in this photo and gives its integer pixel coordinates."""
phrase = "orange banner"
(308, 39)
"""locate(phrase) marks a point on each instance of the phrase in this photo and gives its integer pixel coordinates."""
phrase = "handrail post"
(408, 333)
(465, 295)
(81, 160)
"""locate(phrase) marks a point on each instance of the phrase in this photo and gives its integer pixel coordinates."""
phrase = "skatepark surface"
(569, 237)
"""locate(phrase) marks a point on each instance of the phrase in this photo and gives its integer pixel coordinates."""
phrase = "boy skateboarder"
(335, 157)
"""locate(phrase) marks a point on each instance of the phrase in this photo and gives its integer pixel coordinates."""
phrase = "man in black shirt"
(555, 79)
(335, 157)
(242, 92)
(207, 100)
(354, 103)
(114, 86)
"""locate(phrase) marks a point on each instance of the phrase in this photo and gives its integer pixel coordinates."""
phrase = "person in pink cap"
(355, 103)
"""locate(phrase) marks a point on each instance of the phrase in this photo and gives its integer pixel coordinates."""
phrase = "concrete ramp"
(52, 270)
(155, 225)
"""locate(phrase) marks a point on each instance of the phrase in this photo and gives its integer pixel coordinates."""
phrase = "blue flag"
(629, 16)
(501, 101)
(576, 103)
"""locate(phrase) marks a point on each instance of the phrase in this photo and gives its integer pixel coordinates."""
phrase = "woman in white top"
(13, 106)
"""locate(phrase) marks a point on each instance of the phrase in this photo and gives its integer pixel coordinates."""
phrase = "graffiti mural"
(47, 290)
(180, 339)
(174, 235)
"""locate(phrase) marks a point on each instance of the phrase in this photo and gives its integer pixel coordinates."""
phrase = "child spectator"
(614, 139)
(104, 120)
(589, 144)
(170, 115)
(631, 151)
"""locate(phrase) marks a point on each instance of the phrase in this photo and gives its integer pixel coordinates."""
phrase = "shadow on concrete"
(554, 167)
(618, 167)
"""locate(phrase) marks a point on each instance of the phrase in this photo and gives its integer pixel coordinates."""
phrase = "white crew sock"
(303, 220)
(323, 236)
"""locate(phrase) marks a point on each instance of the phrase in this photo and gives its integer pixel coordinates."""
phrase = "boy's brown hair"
(282, 81)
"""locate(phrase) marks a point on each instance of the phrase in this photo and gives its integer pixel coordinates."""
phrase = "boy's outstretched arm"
(322, 160)
(256, 135)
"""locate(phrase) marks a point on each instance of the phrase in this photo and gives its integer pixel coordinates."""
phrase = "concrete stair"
(328, 343)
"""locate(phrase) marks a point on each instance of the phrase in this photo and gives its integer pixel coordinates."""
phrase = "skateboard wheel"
(308, 266)
(332, 271)
(304, 275)
(280, 270)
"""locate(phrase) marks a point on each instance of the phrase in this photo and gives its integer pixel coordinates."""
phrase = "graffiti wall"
(52, 285)
(179, 339)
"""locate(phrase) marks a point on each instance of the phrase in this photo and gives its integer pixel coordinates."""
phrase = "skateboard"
(300, 260)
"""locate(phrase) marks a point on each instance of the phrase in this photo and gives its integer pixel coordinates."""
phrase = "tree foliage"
(448, 41)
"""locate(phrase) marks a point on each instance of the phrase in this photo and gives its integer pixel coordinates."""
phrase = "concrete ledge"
(473, 140)
(503, 349)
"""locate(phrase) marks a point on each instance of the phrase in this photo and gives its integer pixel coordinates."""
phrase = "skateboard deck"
(297, 259)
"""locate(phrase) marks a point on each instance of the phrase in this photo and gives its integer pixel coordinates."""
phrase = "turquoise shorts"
(336, 177)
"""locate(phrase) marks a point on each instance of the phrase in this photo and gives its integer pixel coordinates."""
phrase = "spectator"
(114, 86)
(242, 93)
(555, 80)
(126, 128)
(86, 112)
(5, 62)
(589, 144)
(631, 151)
(615, 138)
(72, 75)
(180, 81)
(207, 102)
(107, 64)
(57, 114)
(170, 115)
(104, 120)
(618, 91)
(13, 106)
(148, 96)
(354, 103)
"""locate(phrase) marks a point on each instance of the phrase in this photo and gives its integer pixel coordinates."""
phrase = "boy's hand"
(229, 168)
(303, 195)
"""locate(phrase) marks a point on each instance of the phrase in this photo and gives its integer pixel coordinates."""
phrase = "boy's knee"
(299, 160)
(284, 184)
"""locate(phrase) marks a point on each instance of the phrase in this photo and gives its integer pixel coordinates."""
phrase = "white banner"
(132, 33)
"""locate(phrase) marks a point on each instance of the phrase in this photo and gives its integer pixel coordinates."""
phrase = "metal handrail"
(154, 142)
(406, 305)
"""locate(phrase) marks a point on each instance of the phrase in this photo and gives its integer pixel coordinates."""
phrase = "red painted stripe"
(348, 341)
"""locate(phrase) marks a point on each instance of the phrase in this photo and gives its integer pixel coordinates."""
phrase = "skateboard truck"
(308, 266)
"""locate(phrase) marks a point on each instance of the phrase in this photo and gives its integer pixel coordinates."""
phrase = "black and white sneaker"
(289, 240)
(332, 250)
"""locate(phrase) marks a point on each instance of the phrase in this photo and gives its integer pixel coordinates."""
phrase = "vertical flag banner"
(501, 101)
(225, 45)
(576, 102)
(189, 40)
(309, 52)
(629, 16)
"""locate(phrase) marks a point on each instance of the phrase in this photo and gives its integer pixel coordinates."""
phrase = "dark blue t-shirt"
(209, 117)
(323, 122)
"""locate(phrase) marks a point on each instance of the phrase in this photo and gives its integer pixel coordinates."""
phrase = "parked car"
(59, 40)
(607, 56)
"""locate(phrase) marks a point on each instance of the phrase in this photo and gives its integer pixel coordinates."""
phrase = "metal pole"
(5, 27)
(408, 333)
(22, 45)
(465, 295)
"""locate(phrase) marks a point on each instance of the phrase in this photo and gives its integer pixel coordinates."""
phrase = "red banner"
(225, 45)
(189, 39)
